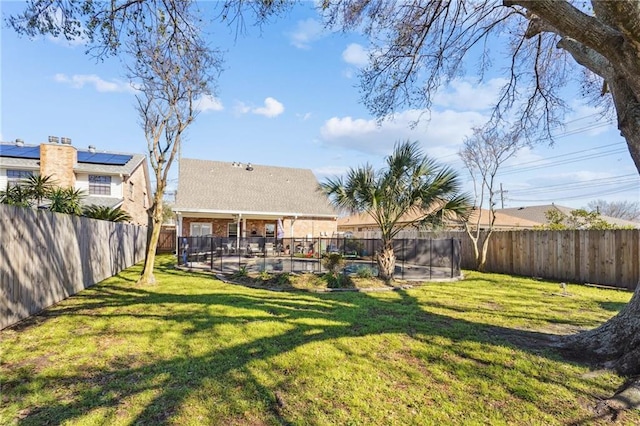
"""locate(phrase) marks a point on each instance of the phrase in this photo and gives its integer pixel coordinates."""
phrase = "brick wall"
(58, 161)
(301, 227)
(315, 227)
(134, 196)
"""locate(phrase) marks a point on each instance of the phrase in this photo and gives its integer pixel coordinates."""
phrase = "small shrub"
(364, 272)
(264, 276)
(283, 279)
(334, 262)
(242, 273)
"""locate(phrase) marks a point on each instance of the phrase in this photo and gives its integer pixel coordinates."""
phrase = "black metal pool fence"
(416, 259)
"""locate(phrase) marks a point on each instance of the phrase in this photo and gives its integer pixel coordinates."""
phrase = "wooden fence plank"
(45, 257)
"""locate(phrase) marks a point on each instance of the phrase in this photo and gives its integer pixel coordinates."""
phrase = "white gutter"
(252, 213)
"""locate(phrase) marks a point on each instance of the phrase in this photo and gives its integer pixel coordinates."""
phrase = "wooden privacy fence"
(610, 257)
(46, 257)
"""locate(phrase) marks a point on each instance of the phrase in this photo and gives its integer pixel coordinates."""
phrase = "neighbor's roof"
(502, 220)
(537, 214)
(106, 169)
(221, 187)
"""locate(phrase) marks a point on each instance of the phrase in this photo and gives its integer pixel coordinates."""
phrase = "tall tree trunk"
(155, 223)
(387, 262)
(616, 343)
(482, 260)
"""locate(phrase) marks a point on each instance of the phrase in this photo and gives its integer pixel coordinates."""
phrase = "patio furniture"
(268, 248)
(253, 249)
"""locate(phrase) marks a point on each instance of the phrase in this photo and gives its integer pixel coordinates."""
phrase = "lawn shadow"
(226, 370)
(612, 306)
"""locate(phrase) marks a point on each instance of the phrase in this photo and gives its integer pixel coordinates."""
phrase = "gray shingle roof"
(102, 201)
(220, 187)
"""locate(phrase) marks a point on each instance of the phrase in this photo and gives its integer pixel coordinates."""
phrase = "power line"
(583, 196)
(592, 126)
(562, 163)
(615, 180)
(568, 154)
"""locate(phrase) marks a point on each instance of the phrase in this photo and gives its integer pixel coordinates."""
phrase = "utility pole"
(501, 196)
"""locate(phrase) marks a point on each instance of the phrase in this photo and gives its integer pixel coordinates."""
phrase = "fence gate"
(167, 241)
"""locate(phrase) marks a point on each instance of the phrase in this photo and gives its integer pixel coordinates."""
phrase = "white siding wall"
(3, 175)
(82, 183)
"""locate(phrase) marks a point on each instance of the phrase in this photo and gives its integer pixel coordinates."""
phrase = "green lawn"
(194, 350)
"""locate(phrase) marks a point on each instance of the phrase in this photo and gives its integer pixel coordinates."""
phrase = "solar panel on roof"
(103, 158)
(15, 151)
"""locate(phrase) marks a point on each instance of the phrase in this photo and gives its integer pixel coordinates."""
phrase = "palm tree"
(412, 187)
(38, 187)
(15, 195)
(66, 200)
(106, 213)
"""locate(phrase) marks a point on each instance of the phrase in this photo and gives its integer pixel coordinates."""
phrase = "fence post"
(452, 248)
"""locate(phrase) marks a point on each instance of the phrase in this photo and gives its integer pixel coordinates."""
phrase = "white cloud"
(272, 108)
(579, 176)
(462, 94)
(439, 136)
(241, 108)
(78, 81)
(305, 33)
(304, 117)
(355, 55)
(209, 103)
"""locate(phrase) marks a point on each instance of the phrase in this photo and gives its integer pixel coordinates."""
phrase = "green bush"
(364, 271)
(242, 272)
(334, 262)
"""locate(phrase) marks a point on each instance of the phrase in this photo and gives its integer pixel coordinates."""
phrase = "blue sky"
(288, 97)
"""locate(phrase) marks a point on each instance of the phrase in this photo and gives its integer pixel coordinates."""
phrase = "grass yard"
(193, 350)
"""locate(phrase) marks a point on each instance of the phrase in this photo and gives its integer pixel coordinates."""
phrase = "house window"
(15, 176)
(200, 229)
(232, 230)
(99, 185)
(131, 191)
(270, 230)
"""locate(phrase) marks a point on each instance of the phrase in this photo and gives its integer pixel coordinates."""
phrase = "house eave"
(249, 214)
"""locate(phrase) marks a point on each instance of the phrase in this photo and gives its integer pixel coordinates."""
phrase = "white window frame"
(98, 187)
(232, 226)
(22, 175)
(270, 233)
(199, 229)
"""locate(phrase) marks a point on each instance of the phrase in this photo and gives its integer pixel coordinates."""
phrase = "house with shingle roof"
(538, 214)
(364, 222)
(107, 178)
(236, 200)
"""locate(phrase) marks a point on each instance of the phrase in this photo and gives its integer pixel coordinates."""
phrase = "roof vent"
(66, 141)
(249, 167)
(54, 139)
(19, 142)
(92, 149)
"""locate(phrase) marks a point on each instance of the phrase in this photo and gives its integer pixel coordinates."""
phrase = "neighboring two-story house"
(106, 178)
